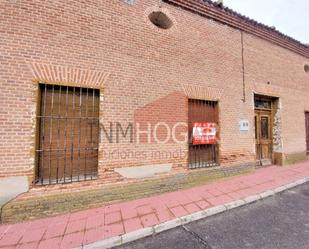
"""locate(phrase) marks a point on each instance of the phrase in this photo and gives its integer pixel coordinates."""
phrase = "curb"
(145, 232)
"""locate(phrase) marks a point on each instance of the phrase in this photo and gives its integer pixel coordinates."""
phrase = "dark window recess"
(262, 104)
(202, 155)
(160, 19)
(306, 68)
(264, 127)
(68, 134)
(255, 126)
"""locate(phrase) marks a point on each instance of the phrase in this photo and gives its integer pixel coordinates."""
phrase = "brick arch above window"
(201, 92)
(268, 90)
(49, 73)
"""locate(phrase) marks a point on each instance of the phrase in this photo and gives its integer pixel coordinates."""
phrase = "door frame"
(266, 111)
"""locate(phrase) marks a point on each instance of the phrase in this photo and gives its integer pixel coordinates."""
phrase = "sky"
(290, 17)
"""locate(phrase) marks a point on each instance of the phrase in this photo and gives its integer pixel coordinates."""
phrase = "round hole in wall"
(306, 68)
(160, 19)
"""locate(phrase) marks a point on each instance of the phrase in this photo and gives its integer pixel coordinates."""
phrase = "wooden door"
(263, 135)
(307, 130)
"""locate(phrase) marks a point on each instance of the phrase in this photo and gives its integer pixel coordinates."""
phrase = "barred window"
(67, 134)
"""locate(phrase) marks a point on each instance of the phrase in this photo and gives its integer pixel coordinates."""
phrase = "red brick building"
(108, 91)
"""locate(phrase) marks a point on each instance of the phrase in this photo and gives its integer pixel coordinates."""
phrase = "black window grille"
(202, 155)
(68, 134)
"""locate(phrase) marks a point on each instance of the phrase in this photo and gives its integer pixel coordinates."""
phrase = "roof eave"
(229, 17)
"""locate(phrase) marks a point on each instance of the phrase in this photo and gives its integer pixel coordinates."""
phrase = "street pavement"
(110, 224)
(278, 222)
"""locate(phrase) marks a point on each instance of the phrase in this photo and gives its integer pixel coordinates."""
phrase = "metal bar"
(199, 104)
(43, 136)
(189, 133)
(65, 133)
(72, 132)
(51, 132)
(91, 134)
(201, 120)
(82, 149)
(58, 141)
(212, 104)
(79, 130)
(209, 119)
(204, 108)
(55, 117)
(206, 155)
(194, 147)
(86, 133)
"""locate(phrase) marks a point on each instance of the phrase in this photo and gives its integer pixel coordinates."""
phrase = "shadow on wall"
(161, 117)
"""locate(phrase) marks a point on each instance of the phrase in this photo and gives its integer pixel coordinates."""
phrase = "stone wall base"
(294, 158)
(49, 205)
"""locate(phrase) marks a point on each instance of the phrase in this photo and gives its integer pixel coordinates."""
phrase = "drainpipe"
(243, 67)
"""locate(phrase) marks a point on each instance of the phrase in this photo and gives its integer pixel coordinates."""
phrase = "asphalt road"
(279, 222)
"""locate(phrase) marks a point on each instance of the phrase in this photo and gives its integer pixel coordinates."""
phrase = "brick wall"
(136, 64)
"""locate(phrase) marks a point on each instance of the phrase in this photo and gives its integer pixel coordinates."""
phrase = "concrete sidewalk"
(115, 224)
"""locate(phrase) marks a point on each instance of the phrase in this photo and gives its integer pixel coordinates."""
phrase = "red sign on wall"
(204, 133)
